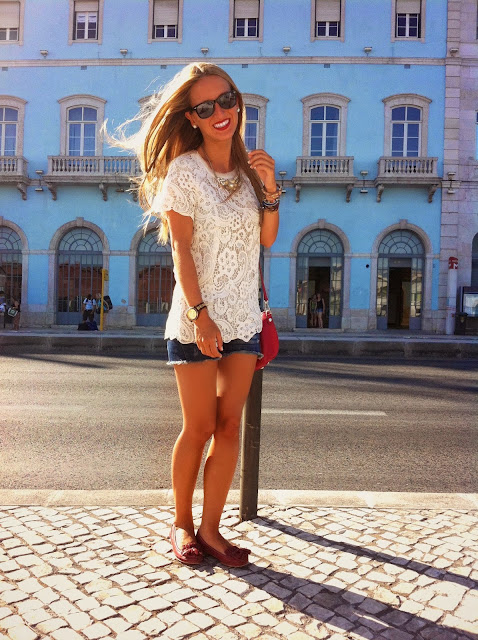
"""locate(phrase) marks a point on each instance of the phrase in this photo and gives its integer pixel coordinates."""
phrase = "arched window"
(10, 265)
(79, 264)
(324, 125)
(155, 281)
(406, 125)
(400, 273)
(255, 120)
(320, 256)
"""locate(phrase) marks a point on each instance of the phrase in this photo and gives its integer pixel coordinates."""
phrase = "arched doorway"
(320, 259)
(400, 274)
(474, 262)
(79, 264)
(10, 265)
(155, 281)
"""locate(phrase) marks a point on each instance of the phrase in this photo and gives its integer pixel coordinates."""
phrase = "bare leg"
(321, 322)
(233, 383)
(197, 393)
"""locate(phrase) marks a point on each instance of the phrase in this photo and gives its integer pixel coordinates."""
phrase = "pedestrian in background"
(89, 305)
(217, 203)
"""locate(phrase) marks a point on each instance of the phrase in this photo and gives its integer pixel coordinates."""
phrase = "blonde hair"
(165, 133)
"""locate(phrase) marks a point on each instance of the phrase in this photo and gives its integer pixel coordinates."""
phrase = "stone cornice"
(146, 62)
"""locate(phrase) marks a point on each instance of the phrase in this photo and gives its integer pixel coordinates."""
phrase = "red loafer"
(189, 553)
(233, 557)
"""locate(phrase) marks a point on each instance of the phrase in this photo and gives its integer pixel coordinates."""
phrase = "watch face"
(192, 314)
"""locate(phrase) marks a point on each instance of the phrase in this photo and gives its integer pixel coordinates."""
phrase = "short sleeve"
(178, 191)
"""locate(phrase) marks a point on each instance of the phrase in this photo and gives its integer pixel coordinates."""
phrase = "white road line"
(326, 412)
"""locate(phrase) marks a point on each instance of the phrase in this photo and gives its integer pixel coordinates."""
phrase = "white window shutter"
(246, 9)
(327, 10)
(86, 5)
(10, 15)
(166, 12)
(408, 6)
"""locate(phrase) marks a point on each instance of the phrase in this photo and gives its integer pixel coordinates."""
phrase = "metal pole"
(102, 298)
(251, 438)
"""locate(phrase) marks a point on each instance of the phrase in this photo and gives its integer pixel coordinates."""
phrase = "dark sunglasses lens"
(205, 109)
(227, 100)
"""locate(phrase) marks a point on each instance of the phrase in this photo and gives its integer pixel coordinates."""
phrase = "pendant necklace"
(230, 184)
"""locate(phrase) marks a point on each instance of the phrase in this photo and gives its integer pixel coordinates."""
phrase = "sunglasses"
(225, 101)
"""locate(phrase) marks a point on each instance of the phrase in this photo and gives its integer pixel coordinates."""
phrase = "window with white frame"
(82, 123)
(406, 125)
(11, 14)
(165, 19)
(85, 20)
(246, 19)
(409, 19)
(8, 131)
(325, 122)
(12, 112)
(81, 119)
(327, 18)
(254, 134)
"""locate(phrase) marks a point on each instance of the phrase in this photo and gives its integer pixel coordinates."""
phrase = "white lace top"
(225, 249)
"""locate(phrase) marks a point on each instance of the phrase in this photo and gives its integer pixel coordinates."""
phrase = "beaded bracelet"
(271, 207)
(273, 195)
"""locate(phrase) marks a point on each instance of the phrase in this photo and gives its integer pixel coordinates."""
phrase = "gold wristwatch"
(192, 313)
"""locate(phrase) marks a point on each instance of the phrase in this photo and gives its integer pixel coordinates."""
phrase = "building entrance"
(399, 297)
(319, 282)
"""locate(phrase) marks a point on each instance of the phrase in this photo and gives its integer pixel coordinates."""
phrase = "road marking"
(326, 412)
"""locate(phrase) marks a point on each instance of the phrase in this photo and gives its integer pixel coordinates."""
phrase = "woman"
(320, 310)
(16, 319)
(218, 205)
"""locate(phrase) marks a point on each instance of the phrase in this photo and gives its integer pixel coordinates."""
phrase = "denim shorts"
(179, 353)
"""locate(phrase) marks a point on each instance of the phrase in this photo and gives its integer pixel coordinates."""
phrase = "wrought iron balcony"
(326, 171)
(399, 171)
(101, 170)
(14, 171)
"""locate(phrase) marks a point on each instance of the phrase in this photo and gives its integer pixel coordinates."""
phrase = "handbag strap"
(264, 292)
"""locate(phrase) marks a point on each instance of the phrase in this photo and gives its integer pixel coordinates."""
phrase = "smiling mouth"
(222, 125)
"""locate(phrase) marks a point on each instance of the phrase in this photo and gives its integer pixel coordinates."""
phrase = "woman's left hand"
(264, 165)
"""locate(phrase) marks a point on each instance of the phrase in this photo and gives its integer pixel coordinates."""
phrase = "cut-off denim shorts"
(179, 353)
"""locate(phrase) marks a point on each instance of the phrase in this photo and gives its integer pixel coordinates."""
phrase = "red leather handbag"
(269, 338)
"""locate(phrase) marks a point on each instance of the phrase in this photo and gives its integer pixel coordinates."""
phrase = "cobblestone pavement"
(70, 573)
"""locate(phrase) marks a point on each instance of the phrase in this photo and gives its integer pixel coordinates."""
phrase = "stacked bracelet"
(271, 199)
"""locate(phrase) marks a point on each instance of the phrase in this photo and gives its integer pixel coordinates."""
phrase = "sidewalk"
(313, 342)
(391, 572)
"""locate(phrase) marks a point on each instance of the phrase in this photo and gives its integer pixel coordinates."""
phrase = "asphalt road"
(99, 422)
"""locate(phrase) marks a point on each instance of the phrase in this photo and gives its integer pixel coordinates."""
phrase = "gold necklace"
(230, 184)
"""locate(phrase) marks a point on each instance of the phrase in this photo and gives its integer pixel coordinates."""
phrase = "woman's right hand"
(208, 336)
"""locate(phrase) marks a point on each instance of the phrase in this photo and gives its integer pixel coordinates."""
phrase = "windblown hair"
(165, 133)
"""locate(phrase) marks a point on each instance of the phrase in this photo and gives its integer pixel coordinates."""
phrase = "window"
(165, 19)
(327, 19)
(406, 122)
(246, 17)
(81, 118)
(254, 136)
(8, 131)
(476, 136)
(324, 131)
(408, 17)
(86, 20)
(406, 125)
(12, 111)
(325, 121)
(11, 21)
(82, 131)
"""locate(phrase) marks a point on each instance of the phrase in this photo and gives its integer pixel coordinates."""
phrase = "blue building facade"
(347, 96)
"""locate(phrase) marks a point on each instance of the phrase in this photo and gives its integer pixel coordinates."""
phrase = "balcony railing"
(325, 167)
(410, 172)
(101, 170)
(324, 170)
(407, 167)
(14, 171)
(100, 166)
